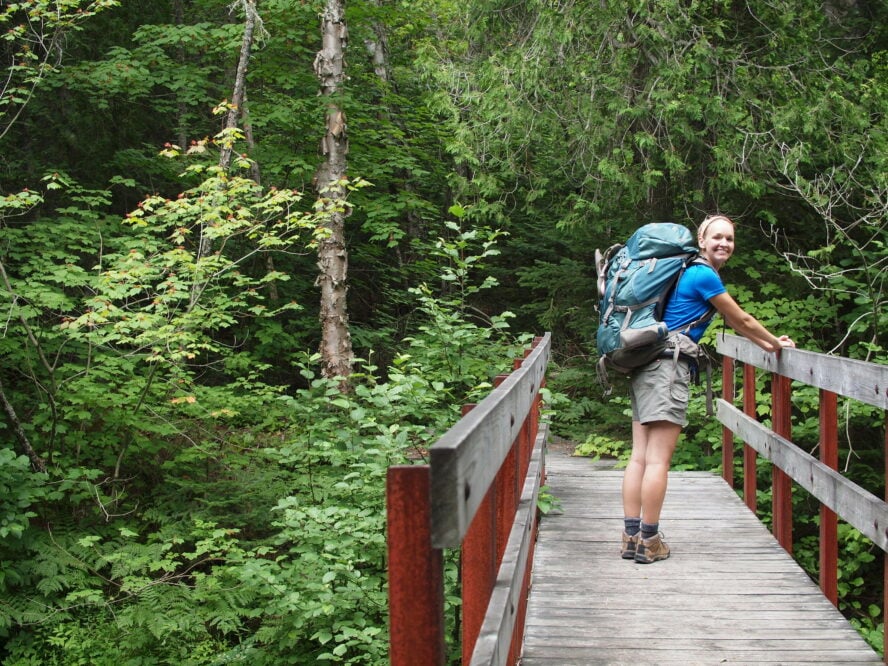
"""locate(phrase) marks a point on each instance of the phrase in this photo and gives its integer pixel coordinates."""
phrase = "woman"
(659, 390)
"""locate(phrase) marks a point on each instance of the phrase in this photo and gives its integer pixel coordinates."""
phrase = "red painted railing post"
(507, 494)
(522, 441)
(416, 571)
(749, 454)
(829, 456)
(727, 433)
(884, 554)
(781, 487)
(416, 590)
(477, 569)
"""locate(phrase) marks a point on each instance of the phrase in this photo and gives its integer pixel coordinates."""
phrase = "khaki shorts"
(659, 392)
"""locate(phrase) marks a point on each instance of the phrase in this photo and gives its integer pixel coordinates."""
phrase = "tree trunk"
(240, 80)
(377, 49)
(251, 18)
(181, 107)
(336, 349)
(37, 463)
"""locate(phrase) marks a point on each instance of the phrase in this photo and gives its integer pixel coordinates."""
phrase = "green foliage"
(597, 446)
(251, 526)
(19, 491)
(32, 33)
(547, 502)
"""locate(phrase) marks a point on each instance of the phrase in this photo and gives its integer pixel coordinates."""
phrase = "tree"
(332, 187)
(33, 36)
(32, 43)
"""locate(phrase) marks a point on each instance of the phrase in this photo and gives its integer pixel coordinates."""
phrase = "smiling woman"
(717, 245)
(659, 391)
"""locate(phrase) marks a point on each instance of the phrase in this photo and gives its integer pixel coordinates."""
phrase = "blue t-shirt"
(690, 299)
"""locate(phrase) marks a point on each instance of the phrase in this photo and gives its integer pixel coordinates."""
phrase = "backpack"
(634, 284)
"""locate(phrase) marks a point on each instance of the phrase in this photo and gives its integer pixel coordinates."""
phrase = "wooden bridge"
(555, 591)
(729, 594)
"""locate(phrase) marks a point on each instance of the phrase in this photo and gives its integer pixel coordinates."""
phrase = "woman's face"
(717, 242)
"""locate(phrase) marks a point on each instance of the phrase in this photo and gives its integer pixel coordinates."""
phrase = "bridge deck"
(729, 594)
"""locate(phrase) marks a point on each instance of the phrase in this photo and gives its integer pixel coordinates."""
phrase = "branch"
(36, 461)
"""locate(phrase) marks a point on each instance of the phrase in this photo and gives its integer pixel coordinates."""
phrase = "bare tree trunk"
(329, 65)
(377, 49)
(251, 20)
(181, 108)
(251, 142)
(36, 461)
(240, 80)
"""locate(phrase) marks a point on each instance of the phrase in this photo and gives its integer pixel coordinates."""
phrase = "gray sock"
(648, 531)
(632, 525)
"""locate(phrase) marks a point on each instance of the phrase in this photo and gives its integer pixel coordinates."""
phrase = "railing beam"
(838, 496)
(885, 553)
(478, 494)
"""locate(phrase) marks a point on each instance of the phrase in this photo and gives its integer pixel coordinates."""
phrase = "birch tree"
(330, 180)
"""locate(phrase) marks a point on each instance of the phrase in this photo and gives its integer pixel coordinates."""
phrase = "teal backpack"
(634, 283)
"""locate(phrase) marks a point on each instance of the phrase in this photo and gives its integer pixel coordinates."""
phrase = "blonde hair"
(704, 225)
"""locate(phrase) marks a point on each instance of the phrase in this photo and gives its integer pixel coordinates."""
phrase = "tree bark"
(251, 19)
(36, 461)
(329, 66)
(377, 49)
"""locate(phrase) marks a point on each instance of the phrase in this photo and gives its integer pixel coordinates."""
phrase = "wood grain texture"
(866, 382)
(465, 460)
(854, 504)
(729, 594)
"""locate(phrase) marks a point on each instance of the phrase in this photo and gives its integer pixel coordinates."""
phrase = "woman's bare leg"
(634, 473)
(660, 440)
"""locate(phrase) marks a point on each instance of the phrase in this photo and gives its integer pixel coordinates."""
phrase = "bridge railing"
(838, 496)
(478, 493)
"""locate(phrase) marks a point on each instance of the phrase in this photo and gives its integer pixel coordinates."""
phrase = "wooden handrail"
(838, 496)
(862, 381)
(478, 493)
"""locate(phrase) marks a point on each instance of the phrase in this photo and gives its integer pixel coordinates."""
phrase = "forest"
(253, 252)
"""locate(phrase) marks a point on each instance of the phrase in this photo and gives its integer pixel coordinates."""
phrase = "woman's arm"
(747, 325)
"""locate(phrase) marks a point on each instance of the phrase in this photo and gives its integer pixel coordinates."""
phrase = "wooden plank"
(866, 382)
(853, 504)
(495, 637)
(465, 460)
(728, 594)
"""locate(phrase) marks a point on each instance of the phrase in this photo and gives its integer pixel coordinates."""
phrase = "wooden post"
(884, 554)
(781, 486)
(416, 571)
(749, 454)
(478, 568)
(727, 433)
(523, 442)
(829, 456)
(508, 493)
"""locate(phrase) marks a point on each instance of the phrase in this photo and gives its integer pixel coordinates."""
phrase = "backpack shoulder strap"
(602, 262)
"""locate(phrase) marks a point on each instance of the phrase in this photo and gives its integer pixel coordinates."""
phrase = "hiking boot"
(651, 550)
(627, 550)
